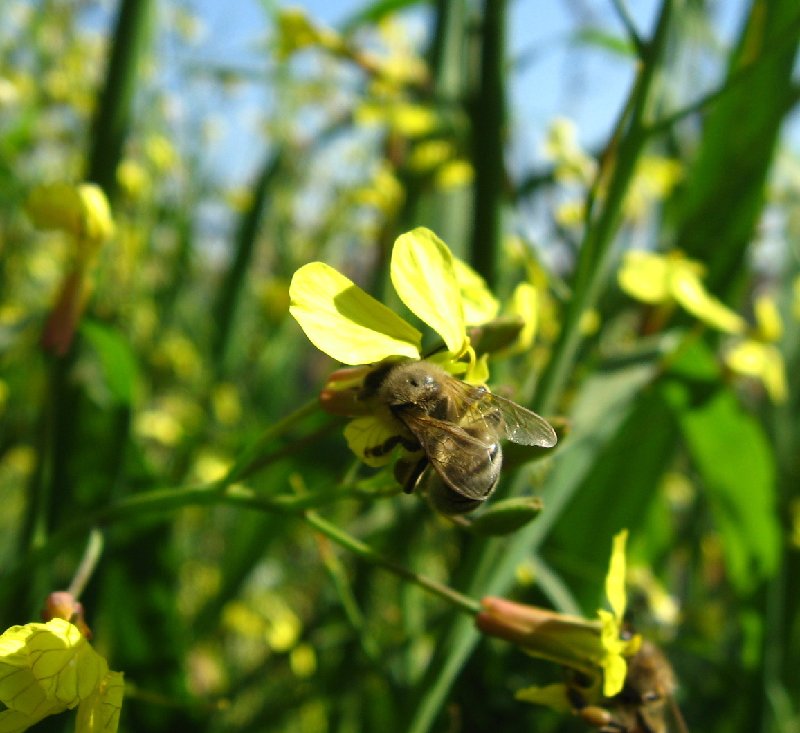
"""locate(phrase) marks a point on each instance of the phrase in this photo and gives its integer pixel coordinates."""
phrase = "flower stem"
(365, 552)
(91, 556)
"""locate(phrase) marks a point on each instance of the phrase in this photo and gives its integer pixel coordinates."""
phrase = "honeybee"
(457, 426)
(643, 704)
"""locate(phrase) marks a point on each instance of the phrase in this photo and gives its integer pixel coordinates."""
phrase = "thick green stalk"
(112, 120)
(617, 167)
(488, 134)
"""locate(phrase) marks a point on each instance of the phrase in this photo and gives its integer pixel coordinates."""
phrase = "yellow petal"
(81, 211)
(687, 289)
(553, 696)
(13, 721)
(478, 370)
(615, 580)
(525, 304)
(614, 670)
(477, 300)
(768, 319)
(644, 276)
(365, 434)
(346, 323)
(99, 713)
(455, 173)
(64, 663)
(751, 358)
(424, 277)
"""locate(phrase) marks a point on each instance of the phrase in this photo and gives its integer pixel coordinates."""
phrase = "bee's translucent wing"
(508, 419)
(468, 460)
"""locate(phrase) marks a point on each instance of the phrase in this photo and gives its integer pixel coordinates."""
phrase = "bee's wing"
(510, 420)
(469, 463)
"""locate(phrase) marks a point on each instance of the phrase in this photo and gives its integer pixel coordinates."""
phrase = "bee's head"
(415, 384)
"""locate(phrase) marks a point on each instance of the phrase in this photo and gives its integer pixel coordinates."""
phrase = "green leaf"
(732, 455)
(603, 39)
(375, 12)
(507, 516)
(117, 360)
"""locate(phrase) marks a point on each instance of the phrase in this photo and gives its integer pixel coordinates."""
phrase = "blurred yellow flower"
(303, 660)
(295, 31)
(79, 210)
(561, 146)
(133, 180)
(672, 278)
(757, 356)
(653, 180)
(161, 153)
(454, 173)
(384, 191)
(404, 118)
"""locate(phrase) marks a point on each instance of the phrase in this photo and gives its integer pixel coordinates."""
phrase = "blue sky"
(561, 79)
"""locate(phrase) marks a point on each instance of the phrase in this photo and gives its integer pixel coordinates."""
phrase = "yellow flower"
(672, 278)
(296, 31)
(404, 118)
(80, 210)
(48, 668)
(596, 648)
(757, 356)
(654, 179)
(572, 164)
(352, 327)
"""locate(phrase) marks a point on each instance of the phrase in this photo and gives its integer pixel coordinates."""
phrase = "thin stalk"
(91, 556)
(232, 285)
(365, 552)
(255, 453)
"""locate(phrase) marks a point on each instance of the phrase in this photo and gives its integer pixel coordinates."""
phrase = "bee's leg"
(601, 719)
(594, 715)
(408, 472)
(388, 445)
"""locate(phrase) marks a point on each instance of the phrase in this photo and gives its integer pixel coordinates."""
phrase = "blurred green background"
(541, 141)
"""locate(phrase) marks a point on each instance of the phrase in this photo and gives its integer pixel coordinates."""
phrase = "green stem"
(365, 552)
(617, 167)
(488, 127)
(91, 556)
(245, 465)
(112, 120)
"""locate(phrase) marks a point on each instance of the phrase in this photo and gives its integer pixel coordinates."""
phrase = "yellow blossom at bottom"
(48, 668)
